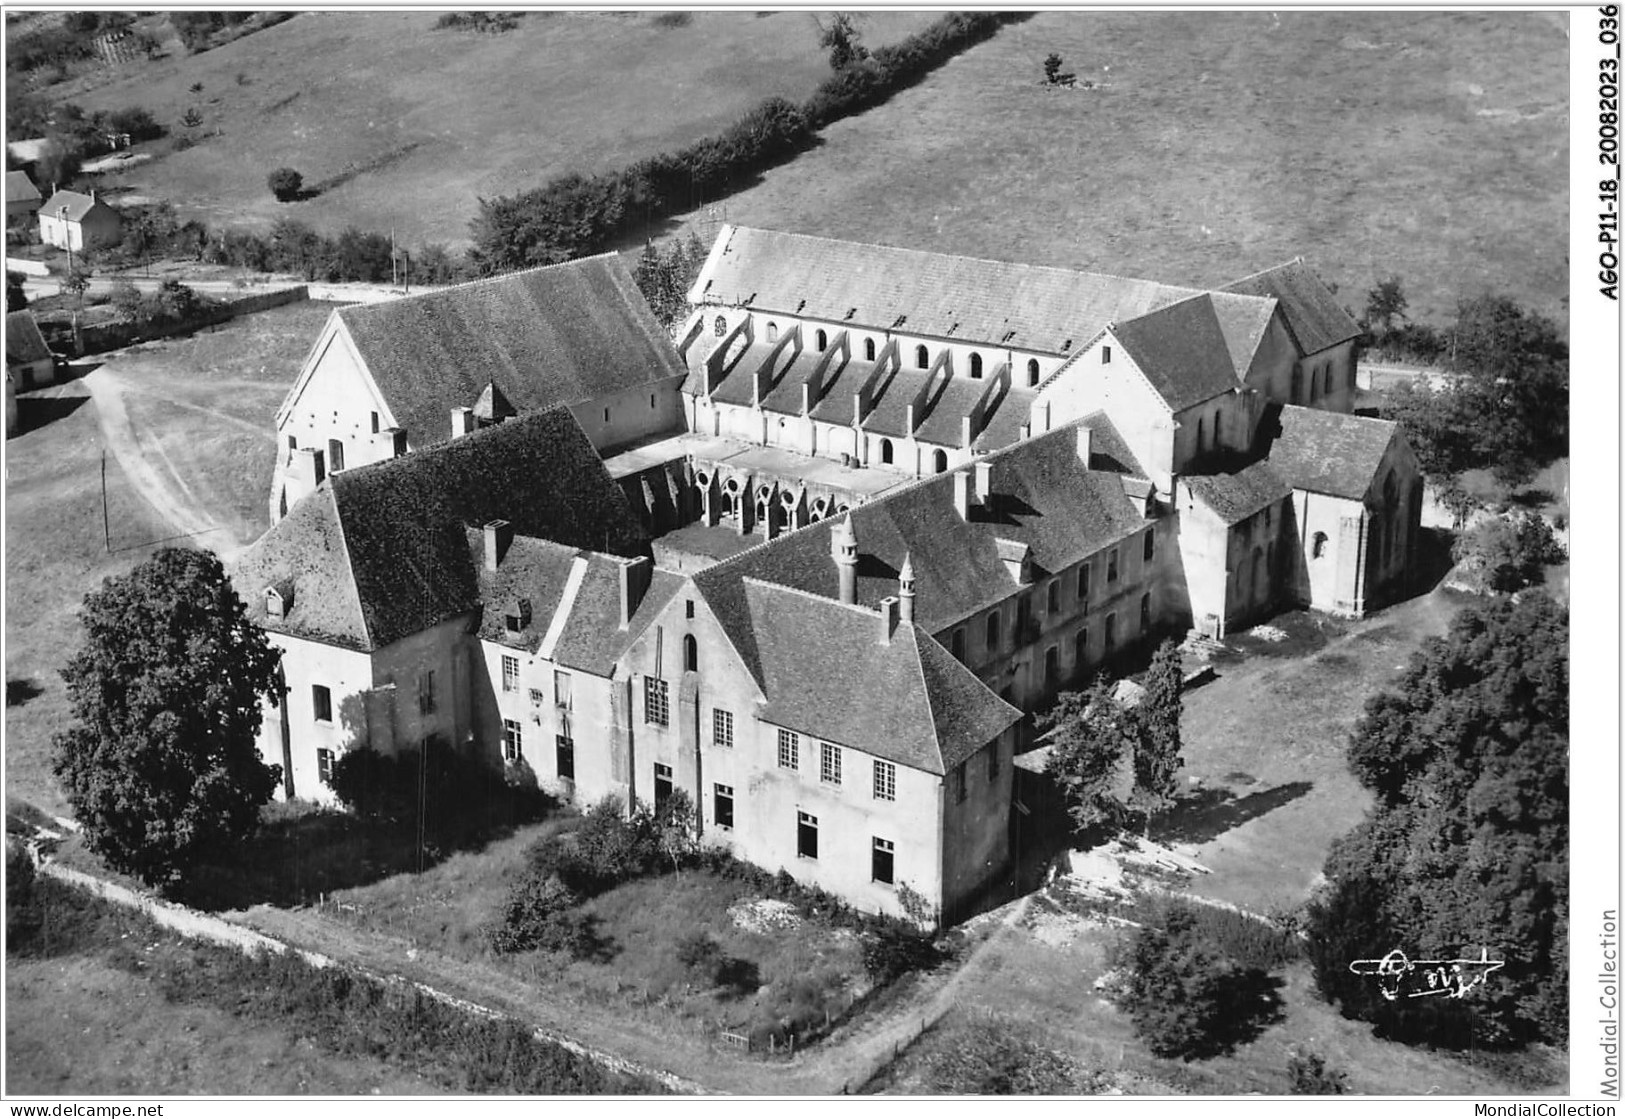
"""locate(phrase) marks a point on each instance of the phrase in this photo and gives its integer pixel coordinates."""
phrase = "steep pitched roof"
(1182, 351)
(532, 570)
(1243, 320)
(826, 674)
(24, 342)
(1326, 452)
(20, 188)
(77, 205)
(1043, 497)
(592, 638)
(1050, 310)
(1313, 315)
(1237, 496)
(556, 335)
(401, 526)
(304, 553)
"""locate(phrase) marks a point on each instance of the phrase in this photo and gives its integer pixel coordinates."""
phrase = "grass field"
(409, 126)
(1424, 144)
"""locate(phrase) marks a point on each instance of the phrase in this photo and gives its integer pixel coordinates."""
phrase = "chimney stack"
(888, 618)
(1084, 449)
(843, 548)
(462, 421)
(635, 577)
(498, 535)
(305, 473)
(905, 589)
(962, 494)
(984, 482)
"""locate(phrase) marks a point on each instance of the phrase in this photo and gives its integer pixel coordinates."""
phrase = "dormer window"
(518, 615)
(277, 603)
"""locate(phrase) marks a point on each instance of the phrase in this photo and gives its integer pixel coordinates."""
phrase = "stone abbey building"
(813, 561)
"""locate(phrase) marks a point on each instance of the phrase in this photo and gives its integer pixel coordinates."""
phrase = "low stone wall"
(113, 336)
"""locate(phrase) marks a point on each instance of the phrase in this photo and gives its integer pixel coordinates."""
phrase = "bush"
(893, 950)
(1507, 553)
(702, 955)
(540, 915)
(470, 798)
(999, 1057)
(138, 122)
(1312, 1077)
(19, 889)
(285, 183)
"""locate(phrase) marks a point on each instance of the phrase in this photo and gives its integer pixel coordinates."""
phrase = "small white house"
(70, 220)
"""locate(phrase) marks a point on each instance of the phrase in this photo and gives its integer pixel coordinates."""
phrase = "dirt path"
(149, 470)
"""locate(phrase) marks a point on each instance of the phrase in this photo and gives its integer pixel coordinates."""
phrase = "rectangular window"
(722, 806)
(882, 866)
(1151, 541)
(656, 707)
(885, 781)
(722, 728)
(789, 749)
(513, 742)
(293, 442)
(829, 763)
(335, 456)
(1083, 585)
(510, 674)
(1111, 566)
(956, 782)
(662, 785)
(321, 699)
(561, 690)
(565, 753)
(375, 423)
(806, 835)
(536, 697)
(1105, 355)
(1054, 603)
(324, 765)
(993, 760)
(426, 693)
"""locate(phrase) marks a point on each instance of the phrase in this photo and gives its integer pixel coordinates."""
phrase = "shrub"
(893, 950)
(1507, 553)
(19, 888)
(1312, 1077)
(285, 183)
(138, 122)
(702, 955)
(540, 914)
(999, 1057)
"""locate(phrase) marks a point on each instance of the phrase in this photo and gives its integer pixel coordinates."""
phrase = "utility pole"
(107, 535)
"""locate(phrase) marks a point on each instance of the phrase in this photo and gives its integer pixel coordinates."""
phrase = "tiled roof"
(592, 639)
(1182, 351)
(531, 569)
(78, 205)
(401, 527)
(1107, 450)
(305, 550)
(826, 674)
(1235, 497)
(24, 342)
(1043, 497)
(1326, 452)
(20, 188)
(883, 288)
(556, 335)
(1243, 320)
(1313, 314)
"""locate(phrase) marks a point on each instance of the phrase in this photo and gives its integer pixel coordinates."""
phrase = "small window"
(426, 703)
(1218, 428)
(1052, 597)
(939, 462)
(976, 366)
(1149, 551)
(868, 349)
(822, 341)
(806, 835)
(885, 781)
(885, 450)
(375, 423)
(772, 332)
(510, 674)
(722, 806)
(293, 442)
(656, 705)
(1105, 355)
(1201, 438)
(1032, 371)
(606, 415)
(513, 741)
(536, 697)
(321, 699)
(993, 632)
(722, 728)
(993, 760)
(1083, 584)
(651, 401)
(959, 644)
(561, 690)
(721, 326)
(829, 763)
(691, 653)
(882, 867)
(324, 765)
(922, 357)
(1318, 547)
(662, 785)
(688, 608)
(335, 456)
(956, 782)
(789, 749)
(1052, 666)
(565, 755)
(1111, 566)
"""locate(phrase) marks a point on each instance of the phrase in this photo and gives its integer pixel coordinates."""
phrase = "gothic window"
(1317, 548)
(939, 461)
(691, 653)
(885, 450)
(922, 357)
(1032, 371)
(993, 632)
(976, 366)
(1218, 420)
(772, 332)
(823, 341)
(868, 349)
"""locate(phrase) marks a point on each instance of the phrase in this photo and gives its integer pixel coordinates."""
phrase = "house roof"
(400, 528)
(1243, 319)
(1043, 497)
(592, 638)
(20, 188)
(556, 335)
(879, 287)
(826, 674)
(1182, 351)
(1313, 314)
(77, 205)
(24, 342)
(1325, 452)
(1234, 497)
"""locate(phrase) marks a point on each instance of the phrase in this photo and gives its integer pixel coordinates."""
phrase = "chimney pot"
(843, 546)
(498, 535)
(888, 618)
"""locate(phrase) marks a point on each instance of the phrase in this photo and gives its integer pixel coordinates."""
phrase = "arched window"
(722, 326)
(868, 349)
(993, 632)
(691, 653)
(939, 461)
(1080, 651)
(1317, 547)
(885, 450)
(976, 366)
(335, 456)
(1052, 666)
(823, 341)
(1297, 385)
(1032, 371)
(922, 357)
(772, 332)
(1111, 633)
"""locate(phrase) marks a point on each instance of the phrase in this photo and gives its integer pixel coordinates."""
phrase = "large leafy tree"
(1467, 845)
(1089, 734)
(160, 763)
(1157, 743)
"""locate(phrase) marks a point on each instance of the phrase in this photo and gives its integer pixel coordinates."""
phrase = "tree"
(160, 763)
(76, 280)
(1157, 743)
(1506, 554)
(285, 183)
(1089, 733)
(1385, 303)
(1052, 68)
(1311, 1076)
(192, 117)
(1439, 425)
(16, 295)
(840, 38)
(126, 298)
(1457, 500)
(1466, 849)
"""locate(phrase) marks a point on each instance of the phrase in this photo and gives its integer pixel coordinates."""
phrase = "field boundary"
(201, 926)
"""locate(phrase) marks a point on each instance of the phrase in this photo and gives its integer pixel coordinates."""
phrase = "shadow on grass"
(35, 412)
(1210, 813)
(738, 977)
(19, 692)
(1252, 1003)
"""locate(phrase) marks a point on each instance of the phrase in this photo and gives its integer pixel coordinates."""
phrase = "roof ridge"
(349, 566)
(466, 284)
(925, 690)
